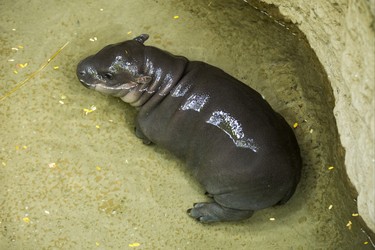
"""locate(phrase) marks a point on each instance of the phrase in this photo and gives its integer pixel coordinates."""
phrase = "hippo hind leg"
(207, 212)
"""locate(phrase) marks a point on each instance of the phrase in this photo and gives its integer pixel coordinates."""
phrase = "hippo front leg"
(141, 136)
(207, 212)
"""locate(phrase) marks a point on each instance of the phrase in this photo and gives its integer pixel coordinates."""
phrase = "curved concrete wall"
(342, 35)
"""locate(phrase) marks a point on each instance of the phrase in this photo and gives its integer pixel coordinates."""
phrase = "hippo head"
(116, 69)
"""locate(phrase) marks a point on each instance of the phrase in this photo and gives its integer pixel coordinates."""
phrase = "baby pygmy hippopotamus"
(241, 151)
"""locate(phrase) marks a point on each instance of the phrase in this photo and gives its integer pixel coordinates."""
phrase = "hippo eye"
(108, 76)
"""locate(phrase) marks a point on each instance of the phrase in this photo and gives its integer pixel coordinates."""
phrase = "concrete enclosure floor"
(74, 176)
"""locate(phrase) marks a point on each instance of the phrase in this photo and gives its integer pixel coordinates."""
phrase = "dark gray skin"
(242, 152)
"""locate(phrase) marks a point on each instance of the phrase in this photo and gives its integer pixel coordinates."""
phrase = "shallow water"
(72, 180)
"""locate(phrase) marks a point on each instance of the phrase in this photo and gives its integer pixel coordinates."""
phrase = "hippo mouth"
(87, 85)
(117, 91)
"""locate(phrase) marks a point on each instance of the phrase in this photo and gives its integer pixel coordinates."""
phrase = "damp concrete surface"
(74, 176)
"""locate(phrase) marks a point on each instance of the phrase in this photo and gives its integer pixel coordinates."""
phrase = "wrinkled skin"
(242, 152)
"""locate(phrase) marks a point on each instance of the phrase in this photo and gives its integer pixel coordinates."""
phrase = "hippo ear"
(141, 38)
(143, 79)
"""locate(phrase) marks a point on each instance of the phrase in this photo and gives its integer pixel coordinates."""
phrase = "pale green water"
(106, 189)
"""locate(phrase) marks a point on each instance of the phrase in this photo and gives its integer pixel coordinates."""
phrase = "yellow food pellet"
(56, 67)
(61, 102)
(331, 167)
(63, 97)
(330, 207)
(24, 147)
(355, 214)
(366, 242)
(26, 219)
(272, 219)
(17, 147)
(349, 225)
(4, 164)
(98, 168)
(52, 165)
(97, 126)
(135, 244)
(15, 71)
(22, 65)
(129, 32)
(176, 17)
(97, 244)
(88, 111)
(20, 46)
(295, 125)
(92, 108)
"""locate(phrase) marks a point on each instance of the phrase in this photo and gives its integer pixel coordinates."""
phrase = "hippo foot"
(141, 136)
(207, 212)
(146, 142)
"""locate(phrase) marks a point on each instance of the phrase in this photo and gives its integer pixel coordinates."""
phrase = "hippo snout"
(83, 76)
